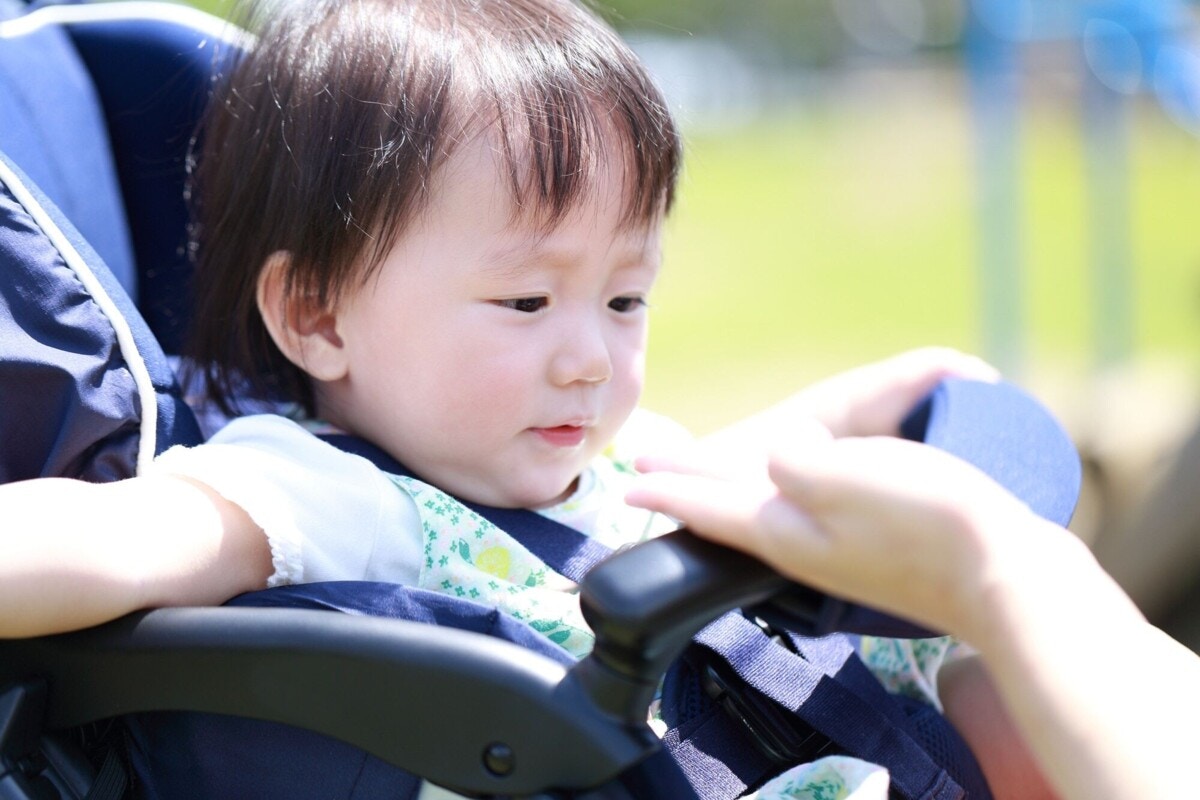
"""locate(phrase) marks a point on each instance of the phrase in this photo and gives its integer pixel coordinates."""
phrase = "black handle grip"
(645, 603)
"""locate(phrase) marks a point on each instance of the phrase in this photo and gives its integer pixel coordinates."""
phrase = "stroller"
(98, 103)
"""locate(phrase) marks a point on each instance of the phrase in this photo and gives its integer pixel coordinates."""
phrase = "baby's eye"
(526, 305)
(623, 305)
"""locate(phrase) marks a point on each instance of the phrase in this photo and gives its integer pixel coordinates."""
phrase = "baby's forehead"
(492, 158)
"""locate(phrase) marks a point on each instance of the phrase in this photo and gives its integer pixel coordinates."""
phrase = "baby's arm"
(74, 554)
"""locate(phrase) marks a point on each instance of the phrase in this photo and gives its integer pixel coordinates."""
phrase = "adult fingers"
(723, 509)
(744, 515)
(881, 394)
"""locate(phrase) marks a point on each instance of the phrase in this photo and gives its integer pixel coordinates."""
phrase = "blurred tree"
(800, 31)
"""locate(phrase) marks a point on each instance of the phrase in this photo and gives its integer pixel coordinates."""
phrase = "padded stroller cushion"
(84, 389)
(54, 129)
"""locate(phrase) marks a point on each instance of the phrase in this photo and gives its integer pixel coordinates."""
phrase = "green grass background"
(806, 244)
(816, 238)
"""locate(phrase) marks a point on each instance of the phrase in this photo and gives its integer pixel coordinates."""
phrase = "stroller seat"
(99, 104)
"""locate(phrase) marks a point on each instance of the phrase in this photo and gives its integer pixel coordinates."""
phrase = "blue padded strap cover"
(69, 405)
(1008, 435)
(53, 128)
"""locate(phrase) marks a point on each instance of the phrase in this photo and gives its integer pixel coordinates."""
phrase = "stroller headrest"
(101, 103)
(54, 128)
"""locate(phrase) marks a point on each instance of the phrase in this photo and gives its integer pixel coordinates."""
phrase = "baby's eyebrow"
(512, 263)
(520, 259)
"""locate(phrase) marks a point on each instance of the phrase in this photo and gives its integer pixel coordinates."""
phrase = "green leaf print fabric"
(469, 557)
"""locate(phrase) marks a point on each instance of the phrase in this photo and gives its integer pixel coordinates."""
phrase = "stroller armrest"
(380, 684)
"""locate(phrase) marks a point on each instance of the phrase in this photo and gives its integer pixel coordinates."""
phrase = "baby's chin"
(531, 494)
(535, 497)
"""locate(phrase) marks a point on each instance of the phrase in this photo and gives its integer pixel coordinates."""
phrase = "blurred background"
(1015, 178)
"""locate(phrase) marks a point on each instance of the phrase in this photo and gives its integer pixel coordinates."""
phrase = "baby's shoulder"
(275, 445)
(260, 427)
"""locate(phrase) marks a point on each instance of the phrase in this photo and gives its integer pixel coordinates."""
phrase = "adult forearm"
(1104, 700)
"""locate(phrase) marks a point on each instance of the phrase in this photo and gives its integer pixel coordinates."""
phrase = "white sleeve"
(328, 515)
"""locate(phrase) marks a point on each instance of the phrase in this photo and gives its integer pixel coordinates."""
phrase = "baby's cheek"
(625, 391)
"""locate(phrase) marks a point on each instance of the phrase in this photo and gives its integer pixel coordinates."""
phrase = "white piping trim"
(176, 13)
(133, 357)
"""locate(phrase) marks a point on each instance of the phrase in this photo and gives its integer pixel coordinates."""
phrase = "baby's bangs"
(570, 101)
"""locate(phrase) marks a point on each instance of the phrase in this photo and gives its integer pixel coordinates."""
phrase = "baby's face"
(493, 359)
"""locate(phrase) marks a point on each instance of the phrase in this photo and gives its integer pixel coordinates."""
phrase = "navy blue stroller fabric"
(106, 107)
(85, 390)
(153, 78)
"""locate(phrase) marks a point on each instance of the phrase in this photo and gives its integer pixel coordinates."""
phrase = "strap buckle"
(777, 733)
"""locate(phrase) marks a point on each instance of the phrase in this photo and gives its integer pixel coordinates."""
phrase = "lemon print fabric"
(467, 556)
(495, 561)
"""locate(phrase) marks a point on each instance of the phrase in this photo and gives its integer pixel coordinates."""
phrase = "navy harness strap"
(823, 684)
(827, 687)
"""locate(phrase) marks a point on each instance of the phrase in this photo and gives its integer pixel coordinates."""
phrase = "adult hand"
(904, 527)
(867, 401)
(879, 520)
(872, 400)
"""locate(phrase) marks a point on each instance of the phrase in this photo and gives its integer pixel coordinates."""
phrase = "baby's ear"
(304, 329)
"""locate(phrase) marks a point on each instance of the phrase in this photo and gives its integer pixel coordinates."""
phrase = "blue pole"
(1106, 148)
(990, 52)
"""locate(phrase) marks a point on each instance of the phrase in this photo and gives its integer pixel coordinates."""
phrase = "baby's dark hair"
(324, 140)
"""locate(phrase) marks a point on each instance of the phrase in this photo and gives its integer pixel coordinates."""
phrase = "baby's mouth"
(562, 435)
